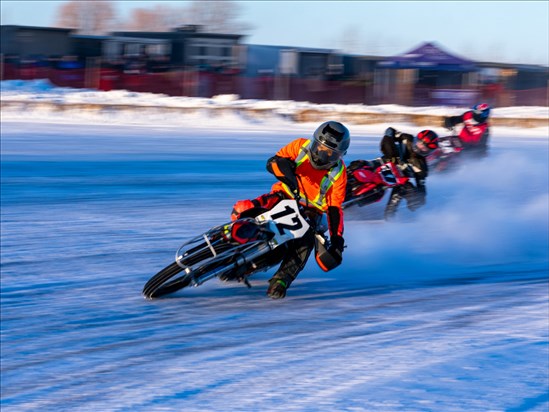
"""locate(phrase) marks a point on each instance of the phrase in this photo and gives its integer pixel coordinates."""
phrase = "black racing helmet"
(331, 141)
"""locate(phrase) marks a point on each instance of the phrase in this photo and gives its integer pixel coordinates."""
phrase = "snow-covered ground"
(444, 309)
(44, 92)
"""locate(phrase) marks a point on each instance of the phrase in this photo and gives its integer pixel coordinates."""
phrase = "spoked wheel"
(203, 258)
(160, 283)
(190, 254)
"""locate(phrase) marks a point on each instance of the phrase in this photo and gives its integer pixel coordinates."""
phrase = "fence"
(194, 83)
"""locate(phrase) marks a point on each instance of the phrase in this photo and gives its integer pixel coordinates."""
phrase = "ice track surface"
(445, 309)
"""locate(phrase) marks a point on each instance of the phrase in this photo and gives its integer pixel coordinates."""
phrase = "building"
(190, 47)
(503, 84)
(187, 61)
(30, 41)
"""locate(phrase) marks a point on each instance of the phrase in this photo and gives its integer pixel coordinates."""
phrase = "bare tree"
(159, 18)
(217, 16)
(87, 17)
(214, 16)
(350, 40)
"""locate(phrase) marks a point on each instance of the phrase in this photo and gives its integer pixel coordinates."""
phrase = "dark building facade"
(189, 46)
(27, 41)
(187, 61)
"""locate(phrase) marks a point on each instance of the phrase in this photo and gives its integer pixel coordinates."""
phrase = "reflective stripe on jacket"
(318, 188)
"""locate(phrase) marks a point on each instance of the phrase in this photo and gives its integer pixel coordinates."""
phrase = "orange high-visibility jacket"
(311, 180)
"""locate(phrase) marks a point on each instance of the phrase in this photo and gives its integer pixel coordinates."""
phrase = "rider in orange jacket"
(312, 171)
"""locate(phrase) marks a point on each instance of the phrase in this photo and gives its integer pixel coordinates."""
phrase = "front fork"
(242, 259)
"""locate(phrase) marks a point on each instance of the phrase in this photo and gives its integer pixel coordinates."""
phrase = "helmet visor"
(323, 156)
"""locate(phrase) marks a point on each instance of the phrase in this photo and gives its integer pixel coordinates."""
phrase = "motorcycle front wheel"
(160, 283)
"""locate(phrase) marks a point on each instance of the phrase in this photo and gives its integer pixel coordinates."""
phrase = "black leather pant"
(297, 251)
(295, 258)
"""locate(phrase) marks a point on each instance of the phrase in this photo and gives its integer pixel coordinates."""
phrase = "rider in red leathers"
(475, 133)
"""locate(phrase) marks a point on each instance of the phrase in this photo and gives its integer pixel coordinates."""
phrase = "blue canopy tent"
(428, 74)
(429, 55)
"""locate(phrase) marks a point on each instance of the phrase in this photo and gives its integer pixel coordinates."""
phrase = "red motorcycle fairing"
(367, 185)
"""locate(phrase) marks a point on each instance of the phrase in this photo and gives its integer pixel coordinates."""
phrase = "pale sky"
(499, 31)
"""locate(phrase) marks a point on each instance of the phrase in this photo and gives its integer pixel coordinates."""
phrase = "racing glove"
(284, 170)
(390, 132)
(448, 123)
(337, 244)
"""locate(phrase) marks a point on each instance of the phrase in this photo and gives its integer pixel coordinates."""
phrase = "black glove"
(448, 123)
(285, 172)
(294, 190)
(390, 132)
(393, 134)
(337, 243)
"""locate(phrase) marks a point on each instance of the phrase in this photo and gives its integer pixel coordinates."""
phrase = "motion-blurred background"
(409, 53)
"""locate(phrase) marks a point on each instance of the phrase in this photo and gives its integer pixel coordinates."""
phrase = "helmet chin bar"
(322, 156)
(323, 167)
(321, 164)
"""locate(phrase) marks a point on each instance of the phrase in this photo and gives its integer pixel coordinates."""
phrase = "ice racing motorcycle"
(238, 249)
(446, 156)
(367, 185)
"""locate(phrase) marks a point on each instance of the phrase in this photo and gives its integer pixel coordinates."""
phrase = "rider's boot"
(293, 262)
(277, 288)
(283, 278)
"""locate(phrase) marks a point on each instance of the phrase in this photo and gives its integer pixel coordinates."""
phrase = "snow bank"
(21, 98)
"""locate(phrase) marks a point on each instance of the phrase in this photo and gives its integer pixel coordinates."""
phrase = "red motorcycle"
(445, 157)
(367, 185)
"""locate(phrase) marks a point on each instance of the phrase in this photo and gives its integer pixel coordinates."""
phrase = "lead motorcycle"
(238, 249)
(446, 156)
(367, 185)
(452, 152)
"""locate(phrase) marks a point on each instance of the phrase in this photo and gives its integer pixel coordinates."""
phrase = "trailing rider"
(408, 153)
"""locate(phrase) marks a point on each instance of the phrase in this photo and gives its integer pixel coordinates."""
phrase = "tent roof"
(428, 55)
